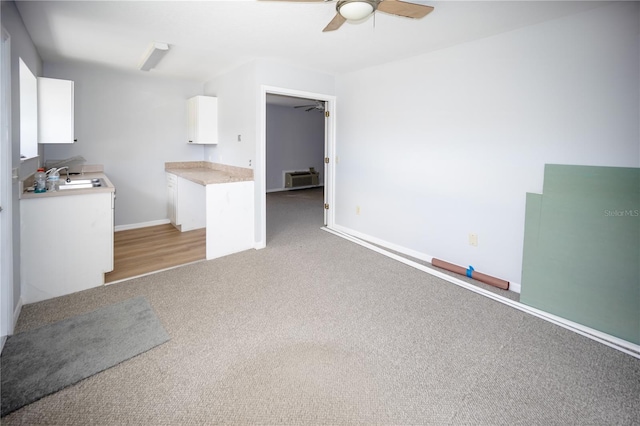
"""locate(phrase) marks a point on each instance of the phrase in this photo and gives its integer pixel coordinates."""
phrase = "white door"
(330, 160)
(327, 162)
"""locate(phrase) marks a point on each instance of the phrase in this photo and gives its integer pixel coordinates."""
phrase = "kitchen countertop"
(208, 173)
(67, 192)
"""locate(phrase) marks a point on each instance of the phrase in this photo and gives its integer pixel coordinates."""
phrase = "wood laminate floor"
(143, 250)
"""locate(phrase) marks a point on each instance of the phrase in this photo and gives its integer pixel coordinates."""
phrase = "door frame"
(260, 173)
(6, 216)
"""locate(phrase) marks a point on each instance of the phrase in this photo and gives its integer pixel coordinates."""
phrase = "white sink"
(78, 182)
(81, 184)
(76, 186)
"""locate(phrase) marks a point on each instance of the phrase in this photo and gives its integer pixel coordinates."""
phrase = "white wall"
(452, 144)
(21, 47)
(239, 107)
(241, 110)
(295, 141)
(132, 123)
(236, 116)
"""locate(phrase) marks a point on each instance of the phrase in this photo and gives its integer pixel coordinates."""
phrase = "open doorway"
(296, 149)
(295, 153)
(295, 143)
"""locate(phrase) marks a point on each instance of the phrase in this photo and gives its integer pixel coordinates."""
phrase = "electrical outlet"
(249, 163)
(473, 239)
(357, 210)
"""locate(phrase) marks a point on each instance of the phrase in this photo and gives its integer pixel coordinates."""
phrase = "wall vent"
(298, 179)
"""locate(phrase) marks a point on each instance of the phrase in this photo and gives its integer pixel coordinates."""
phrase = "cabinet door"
(190, 205)
(192, 119)
(55, 111)
(172, 198)
(203, 120)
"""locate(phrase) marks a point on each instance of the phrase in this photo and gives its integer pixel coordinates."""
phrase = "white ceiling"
(211, 37)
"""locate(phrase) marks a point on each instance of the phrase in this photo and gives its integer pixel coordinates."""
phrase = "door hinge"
(326, 113)
(326, 206)
(326, 160)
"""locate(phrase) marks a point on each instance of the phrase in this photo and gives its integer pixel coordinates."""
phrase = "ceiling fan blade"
(335, 23)
(304, 106)
(298, 1)
(401, 8)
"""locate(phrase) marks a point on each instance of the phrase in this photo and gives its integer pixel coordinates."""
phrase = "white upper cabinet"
(203, 120)
(55, 111)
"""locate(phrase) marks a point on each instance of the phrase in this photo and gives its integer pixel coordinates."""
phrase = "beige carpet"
(317, 330)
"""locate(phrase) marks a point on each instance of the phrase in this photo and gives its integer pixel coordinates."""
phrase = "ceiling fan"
(319, 106)
(355, 10)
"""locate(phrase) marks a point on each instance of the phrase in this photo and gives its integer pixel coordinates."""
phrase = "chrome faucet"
(58, 170)
(67, 168)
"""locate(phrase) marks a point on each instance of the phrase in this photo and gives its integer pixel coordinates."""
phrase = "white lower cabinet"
(226, 209)
(185, 203)
(230, 218)
(66, 244)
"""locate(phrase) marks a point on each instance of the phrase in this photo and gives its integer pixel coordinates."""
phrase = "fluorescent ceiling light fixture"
(355, 10)
(153, 56)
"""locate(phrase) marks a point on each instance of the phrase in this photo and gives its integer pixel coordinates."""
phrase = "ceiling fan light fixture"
(355, 10)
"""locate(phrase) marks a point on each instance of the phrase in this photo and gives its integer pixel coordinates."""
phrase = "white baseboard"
(515, 287)
(16, 314)
(380, 242)
(596, 335)
(141, 225)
